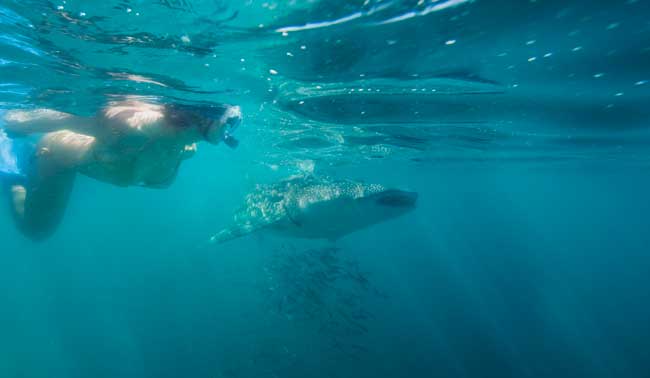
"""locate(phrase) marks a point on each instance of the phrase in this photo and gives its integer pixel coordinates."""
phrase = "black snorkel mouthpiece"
(230, 141)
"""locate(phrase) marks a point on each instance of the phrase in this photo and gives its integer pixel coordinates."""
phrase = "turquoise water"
(522, 126)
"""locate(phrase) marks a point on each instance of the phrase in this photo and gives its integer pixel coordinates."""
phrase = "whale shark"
(312, 207)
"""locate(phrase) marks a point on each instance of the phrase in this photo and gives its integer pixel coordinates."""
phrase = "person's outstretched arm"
(19, 123)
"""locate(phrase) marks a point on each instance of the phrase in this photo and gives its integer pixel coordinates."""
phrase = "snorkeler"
(127, 143)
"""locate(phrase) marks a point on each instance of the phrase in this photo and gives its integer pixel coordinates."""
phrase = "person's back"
(127, 143)
(138, 145)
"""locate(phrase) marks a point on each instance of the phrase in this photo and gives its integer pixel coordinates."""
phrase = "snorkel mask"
(222, 130)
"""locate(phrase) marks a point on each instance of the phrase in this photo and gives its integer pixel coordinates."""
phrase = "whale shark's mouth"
(396, 198)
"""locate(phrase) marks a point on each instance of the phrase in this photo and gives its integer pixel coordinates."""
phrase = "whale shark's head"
(394, 198)
(383, 205)
(351, 207)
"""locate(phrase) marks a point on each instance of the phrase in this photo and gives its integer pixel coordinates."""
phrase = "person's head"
(215, 123)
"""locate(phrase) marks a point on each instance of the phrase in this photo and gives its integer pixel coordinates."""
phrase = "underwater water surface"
(501, 149)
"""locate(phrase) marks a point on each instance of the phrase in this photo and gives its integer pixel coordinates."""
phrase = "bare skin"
(128, 143)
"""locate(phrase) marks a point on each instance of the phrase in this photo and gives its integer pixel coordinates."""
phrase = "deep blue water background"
(527, 255)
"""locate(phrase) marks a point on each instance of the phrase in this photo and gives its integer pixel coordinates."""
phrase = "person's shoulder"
(137, 115)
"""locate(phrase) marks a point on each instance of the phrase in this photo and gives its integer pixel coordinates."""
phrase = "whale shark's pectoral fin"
(223, 236)
(233, 232)
(293, 220)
